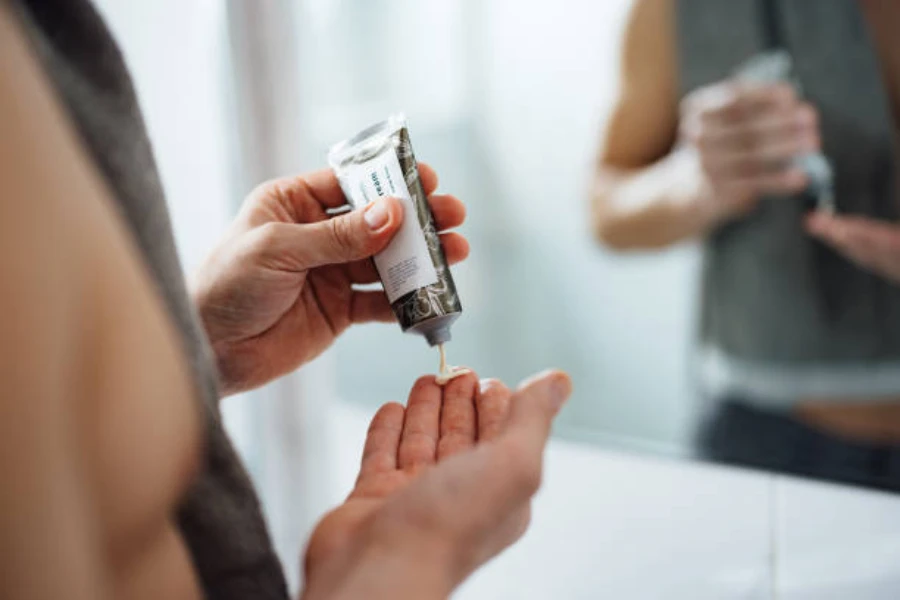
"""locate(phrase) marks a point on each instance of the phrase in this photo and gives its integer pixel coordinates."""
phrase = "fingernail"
(377, 215)
(559, 391)
(486, 385)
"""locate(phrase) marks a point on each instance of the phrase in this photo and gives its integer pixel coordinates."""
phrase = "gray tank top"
(220, 518)
(782, 315)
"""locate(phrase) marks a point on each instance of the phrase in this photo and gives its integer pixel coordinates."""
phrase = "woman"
(109, 385)
(799, 352)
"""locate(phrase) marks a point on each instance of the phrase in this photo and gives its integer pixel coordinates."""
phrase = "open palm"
(402, 444)
(444, 485)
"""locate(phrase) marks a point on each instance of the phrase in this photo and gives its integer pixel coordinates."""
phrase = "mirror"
(690, 205)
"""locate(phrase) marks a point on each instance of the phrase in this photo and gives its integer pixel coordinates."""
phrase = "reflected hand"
(742, 138)
(279, 289)
(871, 244)
(445, 484)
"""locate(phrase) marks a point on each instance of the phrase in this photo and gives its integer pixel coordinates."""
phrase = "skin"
(100, 437)
(670, 170)
(447, 480)
(279, 288)
(871, 244)
(673, 169)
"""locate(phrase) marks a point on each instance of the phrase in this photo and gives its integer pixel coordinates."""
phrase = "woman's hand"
(445, 484)
(743, 138)
(279, 289)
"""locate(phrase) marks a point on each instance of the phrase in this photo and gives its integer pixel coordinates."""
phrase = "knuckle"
(267, 237)
(341, 233)
(266, 188)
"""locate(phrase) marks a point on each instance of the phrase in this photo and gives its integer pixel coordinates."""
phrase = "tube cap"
(438, 336)
(437, 330)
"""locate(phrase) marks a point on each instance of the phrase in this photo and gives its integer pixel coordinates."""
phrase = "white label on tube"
(405, 265)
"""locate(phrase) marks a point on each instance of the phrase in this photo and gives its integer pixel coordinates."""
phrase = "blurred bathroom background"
(505, 99)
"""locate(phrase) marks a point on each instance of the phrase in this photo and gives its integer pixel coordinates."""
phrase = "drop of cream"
(448, 373)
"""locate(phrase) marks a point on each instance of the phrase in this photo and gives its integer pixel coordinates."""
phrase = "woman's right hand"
(445, 484)
(740, 139)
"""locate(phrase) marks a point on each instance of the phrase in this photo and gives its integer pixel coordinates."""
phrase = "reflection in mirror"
(765, 128)
(732, 296)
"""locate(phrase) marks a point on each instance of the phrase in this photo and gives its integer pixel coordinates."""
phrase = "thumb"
(535, 404)
(520, 448)
(356, 235)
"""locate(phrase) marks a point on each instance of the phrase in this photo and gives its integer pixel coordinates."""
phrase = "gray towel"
(220, 518)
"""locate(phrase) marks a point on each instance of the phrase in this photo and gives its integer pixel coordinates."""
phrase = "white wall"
(549, 77)
(176, 52)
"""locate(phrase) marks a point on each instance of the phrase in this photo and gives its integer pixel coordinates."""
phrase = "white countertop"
(612, 525)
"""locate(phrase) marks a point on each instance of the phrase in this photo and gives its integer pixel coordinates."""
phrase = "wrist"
(397, 566)
(699, 207)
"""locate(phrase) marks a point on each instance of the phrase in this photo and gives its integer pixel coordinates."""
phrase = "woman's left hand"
(282, 285)
(871, 244)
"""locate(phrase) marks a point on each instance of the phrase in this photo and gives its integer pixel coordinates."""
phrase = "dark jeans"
(738, 433)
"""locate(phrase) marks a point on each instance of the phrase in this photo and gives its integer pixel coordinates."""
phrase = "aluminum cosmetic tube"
(377, 162)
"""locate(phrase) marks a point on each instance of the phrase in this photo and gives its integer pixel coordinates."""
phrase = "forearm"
(651, 207)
